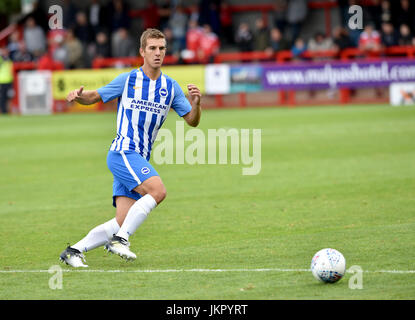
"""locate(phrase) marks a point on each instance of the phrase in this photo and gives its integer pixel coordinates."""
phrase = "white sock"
(98, 236)
(136, 216)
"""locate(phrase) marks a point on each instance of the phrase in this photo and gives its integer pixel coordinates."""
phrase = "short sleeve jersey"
(143, 105)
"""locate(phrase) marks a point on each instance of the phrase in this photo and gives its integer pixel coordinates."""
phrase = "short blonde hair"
(150, 34)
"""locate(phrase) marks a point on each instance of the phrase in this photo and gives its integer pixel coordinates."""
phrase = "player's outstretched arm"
(193, 117)
(83, 97)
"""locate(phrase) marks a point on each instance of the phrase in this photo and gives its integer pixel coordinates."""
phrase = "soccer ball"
(328, 265)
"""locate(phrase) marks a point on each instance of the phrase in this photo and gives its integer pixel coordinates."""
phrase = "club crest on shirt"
(163, 92)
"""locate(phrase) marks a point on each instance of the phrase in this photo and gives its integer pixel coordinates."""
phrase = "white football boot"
(121, 247)
(73, 257)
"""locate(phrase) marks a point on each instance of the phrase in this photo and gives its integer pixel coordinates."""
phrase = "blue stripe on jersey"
(157, 93)
(141, 122)
(130, 132)
(150, 134)
(131, 84)
(169, 90)
(146, 87)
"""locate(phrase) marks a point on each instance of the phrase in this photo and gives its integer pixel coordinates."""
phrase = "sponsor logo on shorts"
(145, 170)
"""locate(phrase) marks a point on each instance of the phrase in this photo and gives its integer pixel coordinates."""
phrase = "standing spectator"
(123, 45)
(6, 79)
(405, 37)
(151, 15)
(226, 23)
(97, 17)
(244, 37)
(389, 36)
(178, 24)
(296, 14)
(406, 15)
(68, 14)
(82, 29)
(374, 12)
(261, 35)
(165, 10)
(75, 50)
(385, 11)
(209, 45)
(34, 38)
(370, 39)
(277, 41)
(280, 14)
(119, 15)
(209, 14)
(13, 44)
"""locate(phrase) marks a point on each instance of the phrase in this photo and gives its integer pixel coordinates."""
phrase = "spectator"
(151, 15)
(119, 15)
(320, 43)
(169, 40)
(193, 35)
(68, 14)
(296, 14)
(226, 23)
(165, 10)
(22, 54)
(209, 14)
(277, 41)
(406, 15)
(298, 49)
(13, 44)
(244, 37)
(341, 38)
(178, 24)
(34, 38)
(6, 79)
(60, 52)
(385, 11)
(102, 47)
(75, 50)
(208, 46)
(280, 14)
(369, 39)
(97, 17)
(374, 12)
(123, 45)
(261, 35)
(389, 36)
(405, 37)
(82, 29)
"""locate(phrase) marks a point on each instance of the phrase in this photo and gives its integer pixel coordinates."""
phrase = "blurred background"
(227, 47)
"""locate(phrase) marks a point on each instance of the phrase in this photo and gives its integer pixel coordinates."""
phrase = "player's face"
(154, 52)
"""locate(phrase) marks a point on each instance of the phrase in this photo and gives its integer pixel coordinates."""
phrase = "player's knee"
(159, 194)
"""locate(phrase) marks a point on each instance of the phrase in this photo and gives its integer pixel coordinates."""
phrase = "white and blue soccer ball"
(328, 265)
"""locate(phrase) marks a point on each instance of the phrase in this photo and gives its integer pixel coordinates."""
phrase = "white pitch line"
(193, 270)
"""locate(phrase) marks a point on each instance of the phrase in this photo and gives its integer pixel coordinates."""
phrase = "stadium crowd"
(197, 33)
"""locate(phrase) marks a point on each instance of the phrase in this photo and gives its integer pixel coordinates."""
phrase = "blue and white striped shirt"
(143, 105)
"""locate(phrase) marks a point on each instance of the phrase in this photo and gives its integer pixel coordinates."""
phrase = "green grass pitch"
(340, 177)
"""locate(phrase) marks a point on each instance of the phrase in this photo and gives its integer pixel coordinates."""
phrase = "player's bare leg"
(131, 214)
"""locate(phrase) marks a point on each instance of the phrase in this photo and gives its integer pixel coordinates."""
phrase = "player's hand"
(194, 94)
(75, 94)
